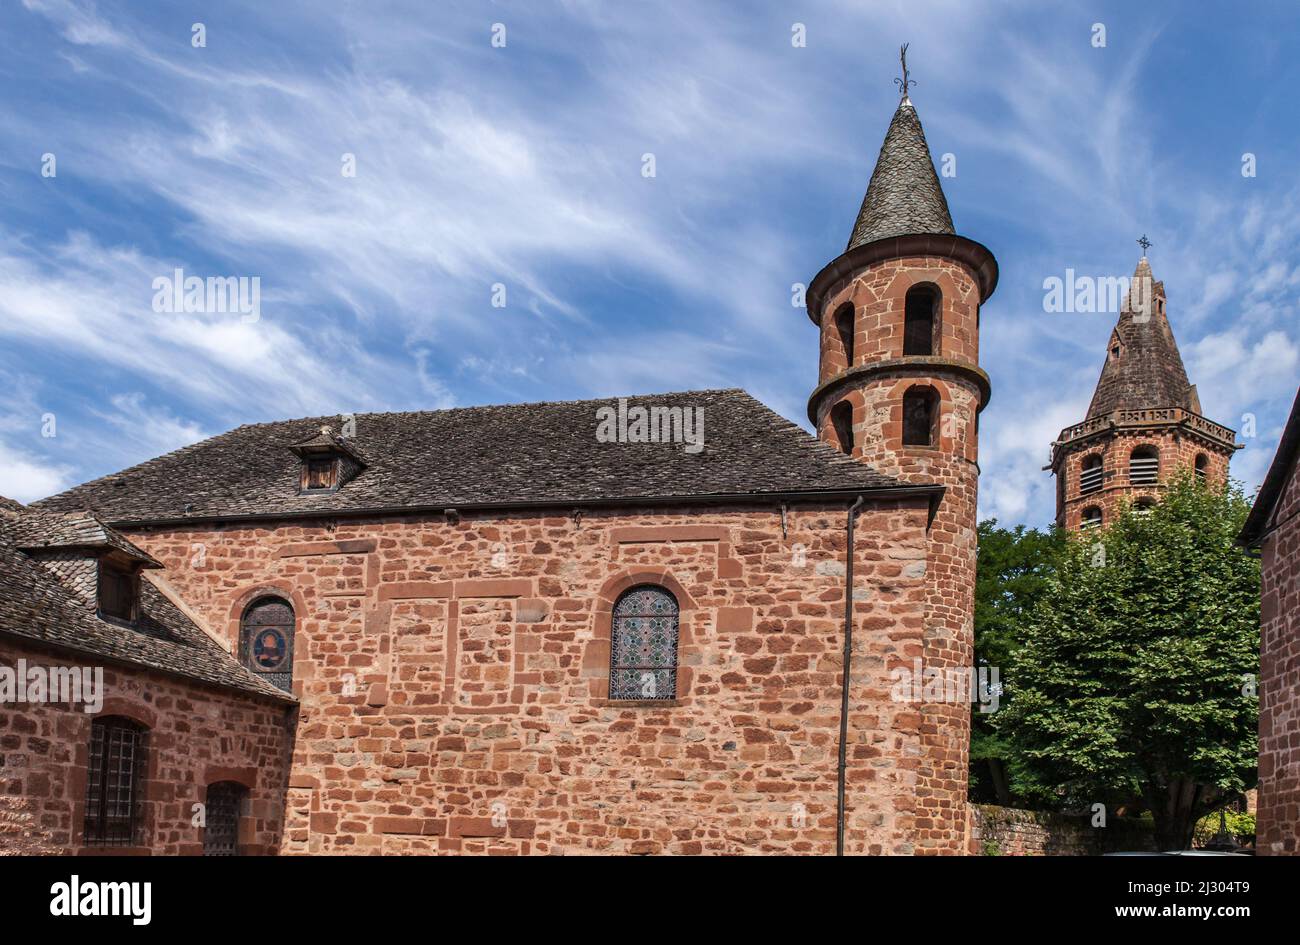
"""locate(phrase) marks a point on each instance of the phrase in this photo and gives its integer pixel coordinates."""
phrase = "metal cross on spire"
(905, 81)
(1144, 243)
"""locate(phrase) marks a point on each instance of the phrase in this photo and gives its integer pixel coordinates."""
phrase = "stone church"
(492, 630)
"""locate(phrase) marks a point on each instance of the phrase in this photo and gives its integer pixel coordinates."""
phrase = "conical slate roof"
(1148, 370)
(904, 196)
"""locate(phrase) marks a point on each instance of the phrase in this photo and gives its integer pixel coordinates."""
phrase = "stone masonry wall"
(1005, 831)
(878, 294)
(1177, 452)
(197, 736)
(454, 677)
(1278, 817)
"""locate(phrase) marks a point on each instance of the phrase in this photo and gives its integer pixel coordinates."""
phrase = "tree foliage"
(1135, 683)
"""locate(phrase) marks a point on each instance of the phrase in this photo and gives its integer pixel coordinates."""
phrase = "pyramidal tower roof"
(904, 197)
(1143, 368)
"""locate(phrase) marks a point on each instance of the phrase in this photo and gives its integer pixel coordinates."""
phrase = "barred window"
(115, 783)
(225, 802)
(266, 641)
(1091, 475)
(643, 645)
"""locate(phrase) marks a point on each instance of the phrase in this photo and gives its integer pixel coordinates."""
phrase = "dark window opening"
(1091, 475)
(844, 327)
(921, 321)
(225, 803)
(115, 783)
(643, 644)
(1144, 466)
(1144, 506)
(920, 417)
(319, 474)
(1202, 466)
(1091, 518)
(266, 641)
(117, 591)
(842, 421)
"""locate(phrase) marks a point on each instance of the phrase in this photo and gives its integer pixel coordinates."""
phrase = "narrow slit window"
(921, 321)
(844, 328)
(842, 421)
(920, 417)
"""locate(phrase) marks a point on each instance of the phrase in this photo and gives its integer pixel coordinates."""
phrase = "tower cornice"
(1080, 435)
(915, 365)
(975, 255)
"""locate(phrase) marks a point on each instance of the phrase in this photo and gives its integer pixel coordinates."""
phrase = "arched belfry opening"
(921, 316)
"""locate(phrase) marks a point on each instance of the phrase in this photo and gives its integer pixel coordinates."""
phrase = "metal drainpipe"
(844, 689)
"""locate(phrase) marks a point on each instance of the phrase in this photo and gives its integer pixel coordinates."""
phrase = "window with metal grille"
(1091, 475)
(842, 421)
(221, 831)
(643, 645)
(844, 327)
(266, 641)
(920, 416)
(1202, 466)
(921, 320)
(117, 591)
(1144, 466)
(115, 783)
(1091, 518)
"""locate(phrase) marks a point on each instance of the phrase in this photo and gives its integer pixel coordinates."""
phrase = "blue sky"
(522, 166)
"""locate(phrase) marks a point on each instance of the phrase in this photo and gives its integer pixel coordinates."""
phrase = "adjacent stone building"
(1144, 423)
(1273, 528)
(576, 627)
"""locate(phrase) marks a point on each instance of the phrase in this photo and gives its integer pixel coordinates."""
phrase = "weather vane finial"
(905, 81)
(1144, 243)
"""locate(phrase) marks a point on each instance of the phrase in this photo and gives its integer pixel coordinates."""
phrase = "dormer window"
(319, 474)
(119, 591)
(328, 462)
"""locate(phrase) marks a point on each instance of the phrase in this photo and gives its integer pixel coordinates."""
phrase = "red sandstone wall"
(449, 744)
(1278, 816)
(197, 736)
(1176, 453)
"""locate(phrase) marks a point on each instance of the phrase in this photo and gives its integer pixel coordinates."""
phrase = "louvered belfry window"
(221, 832)
(643, 645)
(115, 783)
(1144, 466)
(266, 641)
(1090, 475)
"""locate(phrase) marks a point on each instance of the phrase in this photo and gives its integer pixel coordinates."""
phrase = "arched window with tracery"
(266, 641)
(643, 644)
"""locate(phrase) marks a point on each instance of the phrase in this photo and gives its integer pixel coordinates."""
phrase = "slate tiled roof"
(1149, 371)
(10, 506)
(35, 606)
(476, 456)
(904, 196)
(35, 530)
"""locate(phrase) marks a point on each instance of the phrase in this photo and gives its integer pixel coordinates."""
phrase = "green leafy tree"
(1136, 685)
(1011, 577)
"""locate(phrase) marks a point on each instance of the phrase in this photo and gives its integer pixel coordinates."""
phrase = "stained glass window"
(643, 645)
(266, 641)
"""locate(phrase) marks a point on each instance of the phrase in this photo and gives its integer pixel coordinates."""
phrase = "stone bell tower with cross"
(1144, 424)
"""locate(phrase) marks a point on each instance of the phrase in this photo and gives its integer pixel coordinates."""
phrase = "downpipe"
(844, 688)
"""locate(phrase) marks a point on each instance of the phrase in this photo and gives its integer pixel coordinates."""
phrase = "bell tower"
(900, 388)
(1144, 424)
